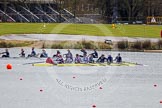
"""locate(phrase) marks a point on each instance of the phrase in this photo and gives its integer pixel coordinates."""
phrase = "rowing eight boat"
(88, 64)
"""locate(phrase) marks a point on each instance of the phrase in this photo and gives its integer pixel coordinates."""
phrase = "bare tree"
(131, 8)
(152, 7)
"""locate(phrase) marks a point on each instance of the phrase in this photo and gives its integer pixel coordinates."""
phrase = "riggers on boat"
(88, 64)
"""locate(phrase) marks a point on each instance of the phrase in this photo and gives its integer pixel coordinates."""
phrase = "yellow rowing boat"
(88, 64)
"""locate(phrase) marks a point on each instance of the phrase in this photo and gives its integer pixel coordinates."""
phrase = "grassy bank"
(75, 45)
(10, 44)
(146, 31)
(139, 45)
(120, 46)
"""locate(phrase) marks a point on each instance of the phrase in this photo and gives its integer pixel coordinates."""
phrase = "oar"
(135, 63)
(90, 64)
(1, 53)
(33, 63)
(141, 64)
(102, 64)
(36, 56)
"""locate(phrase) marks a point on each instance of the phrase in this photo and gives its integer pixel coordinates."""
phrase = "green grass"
(147, 31)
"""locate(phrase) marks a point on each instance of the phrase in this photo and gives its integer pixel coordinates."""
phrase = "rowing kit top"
(33, 53)
(84, 52)
(22, 53)
(118, 59)
(69, 55)
(49, 60)
(95, 54)
(6, 54)
(78, 60)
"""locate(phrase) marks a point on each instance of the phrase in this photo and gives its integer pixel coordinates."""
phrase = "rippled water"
(82, 87)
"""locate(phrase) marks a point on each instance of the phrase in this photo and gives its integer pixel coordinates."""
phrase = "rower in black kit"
(83, 50)
(22, 54)
(5, 54)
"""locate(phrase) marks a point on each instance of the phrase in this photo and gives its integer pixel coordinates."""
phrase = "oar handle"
(1, 53)
(33, 63)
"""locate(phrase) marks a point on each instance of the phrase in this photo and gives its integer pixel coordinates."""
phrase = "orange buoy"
(9, 66)
(161, 101)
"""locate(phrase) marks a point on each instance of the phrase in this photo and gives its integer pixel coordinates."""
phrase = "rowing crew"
(34, 54)
(69, 57)
(58, 59)
(22, 53)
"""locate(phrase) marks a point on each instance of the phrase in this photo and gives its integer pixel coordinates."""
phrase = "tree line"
(129, 10)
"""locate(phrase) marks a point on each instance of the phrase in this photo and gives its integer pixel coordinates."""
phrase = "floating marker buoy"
(161, 101)
(100, 87)
(94, 106)
(9, 66)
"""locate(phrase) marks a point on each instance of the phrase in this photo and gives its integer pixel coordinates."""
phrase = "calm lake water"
(81, 87)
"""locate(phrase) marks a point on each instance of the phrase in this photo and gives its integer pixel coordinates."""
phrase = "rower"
(110, 59)
(6, 53)
(49, 60)
(95, 54)
(78, 59)
(85, 59)
(69, 57)
(60, 60)
(44, 54)
(118, 59)
(33, 53)
(58, 57)
(91, 58)
(83, 51)
(22, 54)
(102, 59)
